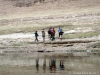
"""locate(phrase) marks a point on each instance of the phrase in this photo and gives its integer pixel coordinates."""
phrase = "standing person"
(61, 33)
(37, 64)
(36, 36)
(43, 35)
(59, 30)
(53, 34)
(49, 33)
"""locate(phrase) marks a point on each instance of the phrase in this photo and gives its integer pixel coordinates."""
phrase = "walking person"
(36, 36)
(43, 35)
(61, 34)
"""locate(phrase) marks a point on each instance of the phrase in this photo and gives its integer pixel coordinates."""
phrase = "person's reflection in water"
(61, 66)
(44, 65)
(37, 64)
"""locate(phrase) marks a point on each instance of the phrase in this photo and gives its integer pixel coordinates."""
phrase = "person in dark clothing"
(49, 33)
(61, 33)
(36, 36)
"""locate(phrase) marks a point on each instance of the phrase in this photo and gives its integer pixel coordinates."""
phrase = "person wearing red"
(53, 34)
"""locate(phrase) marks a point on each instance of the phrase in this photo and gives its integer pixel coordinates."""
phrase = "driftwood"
(42, 51)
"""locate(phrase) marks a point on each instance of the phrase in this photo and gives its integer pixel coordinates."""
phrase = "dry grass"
(21, 19)
(81, 35)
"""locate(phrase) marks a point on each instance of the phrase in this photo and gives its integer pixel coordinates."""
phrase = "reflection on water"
(70, 63)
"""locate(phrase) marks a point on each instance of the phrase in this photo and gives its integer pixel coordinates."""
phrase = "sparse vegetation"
(16, 44)
(81, 35)
(96, 45)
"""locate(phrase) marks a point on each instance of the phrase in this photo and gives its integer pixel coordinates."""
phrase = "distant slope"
(32, 8)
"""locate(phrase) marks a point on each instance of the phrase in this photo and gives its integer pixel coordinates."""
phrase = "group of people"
(52, 65)
(51, 34)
